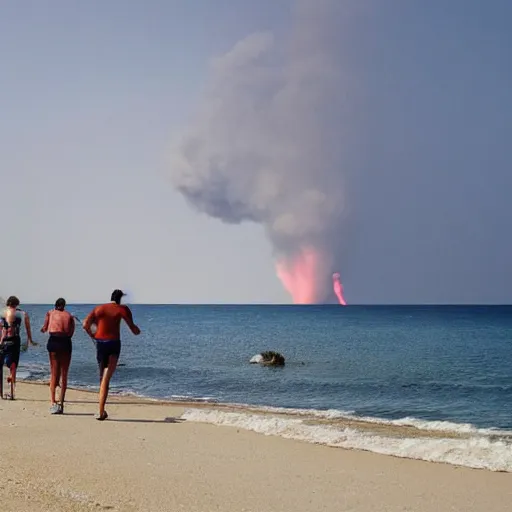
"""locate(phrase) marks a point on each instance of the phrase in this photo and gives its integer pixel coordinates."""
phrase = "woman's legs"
(65, 361)
(54, 374)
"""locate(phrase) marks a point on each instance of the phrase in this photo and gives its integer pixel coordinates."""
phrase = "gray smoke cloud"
(268, 142)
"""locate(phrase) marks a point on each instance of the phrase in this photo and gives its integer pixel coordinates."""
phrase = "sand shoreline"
(378, 425)
(435, 441)
(148, 459)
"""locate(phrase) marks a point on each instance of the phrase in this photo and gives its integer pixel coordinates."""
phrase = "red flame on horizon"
(338, 288)
(301, 276)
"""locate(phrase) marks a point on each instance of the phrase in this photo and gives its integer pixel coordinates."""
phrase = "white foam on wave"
(190, 398)
(22, 374)
(172, 398)
(428, 425)
(475, 451)
(32, 371)
(329, 414)
(436, 426)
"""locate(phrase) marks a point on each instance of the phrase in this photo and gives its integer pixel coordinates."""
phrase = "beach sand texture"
(145, 458)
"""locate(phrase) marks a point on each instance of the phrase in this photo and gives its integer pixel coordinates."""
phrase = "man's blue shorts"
(10, 351)
(105, 349)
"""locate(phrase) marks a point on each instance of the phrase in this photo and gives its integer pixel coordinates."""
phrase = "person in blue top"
(11, 319)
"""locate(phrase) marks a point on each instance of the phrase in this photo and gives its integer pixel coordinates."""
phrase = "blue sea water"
(426, 364)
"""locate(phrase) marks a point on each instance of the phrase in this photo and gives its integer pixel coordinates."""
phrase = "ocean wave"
(39, 374)
(420, 424)
(460, 444)
(467, 446)
(32, 372)
(171, 398)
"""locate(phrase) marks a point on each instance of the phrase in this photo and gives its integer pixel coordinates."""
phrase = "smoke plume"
(268, 142)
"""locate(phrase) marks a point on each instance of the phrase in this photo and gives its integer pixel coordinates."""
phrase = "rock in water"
(268, 358)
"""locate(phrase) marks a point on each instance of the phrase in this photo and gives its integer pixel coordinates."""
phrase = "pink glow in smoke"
(338, 288)
(299, 276)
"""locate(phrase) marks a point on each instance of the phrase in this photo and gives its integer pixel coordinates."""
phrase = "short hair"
(60, 303)
(116, 296)
(12, 302)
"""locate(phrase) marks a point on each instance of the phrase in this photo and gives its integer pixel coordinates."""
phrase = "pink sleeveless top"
(60, 323)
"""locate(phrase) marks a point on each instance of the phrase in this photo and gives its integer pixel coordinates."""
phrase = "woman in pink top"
(60, 324)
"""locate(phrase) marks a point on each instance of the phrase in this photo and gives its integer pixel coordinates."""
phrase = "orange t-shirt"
(107, 318)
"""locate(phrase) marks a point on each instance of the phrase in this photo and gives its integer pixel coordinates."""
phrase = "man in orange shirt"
(107, 337)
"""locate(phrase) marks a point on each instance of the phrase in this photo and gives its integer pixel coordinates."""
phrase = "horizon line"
(375, 304)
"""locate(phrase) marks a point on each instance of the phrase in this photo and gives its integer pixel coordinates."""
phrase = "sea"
(423, 382)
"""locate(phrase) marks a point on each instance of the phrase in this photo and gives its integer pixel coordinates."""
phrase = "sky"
(94, 94)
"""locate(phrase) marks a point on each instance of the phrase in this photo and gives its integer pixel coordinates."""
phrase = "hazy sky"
(92, 94)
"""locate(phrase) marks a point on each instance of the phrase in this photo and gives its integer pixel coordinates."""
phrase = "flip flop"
(103, 417)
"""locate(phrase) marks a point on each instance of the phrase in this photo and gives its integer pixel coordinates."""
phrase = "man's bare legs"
(12, 379)
(106, 375)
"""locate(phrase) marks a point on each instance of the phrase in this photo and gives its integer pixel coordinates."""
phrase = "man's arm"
(46, 322)
(89, 320)
(128, 318)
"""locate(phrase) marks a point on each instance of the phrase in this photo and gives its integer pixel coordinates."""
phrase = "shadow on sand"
(134, 420)
(128, 420)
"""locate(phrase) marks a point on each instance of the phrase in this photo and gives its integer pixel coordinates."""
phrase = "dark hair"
(116, 296)
(60, 304)
(12, 302)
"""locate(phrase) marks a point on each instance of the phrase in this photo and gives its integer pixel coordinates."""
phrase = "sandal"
(102, 417)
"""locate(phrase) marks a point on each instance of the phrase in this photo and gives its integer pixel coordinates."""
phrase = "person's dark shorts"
(10, 351)
(59, 344)
(105, 349)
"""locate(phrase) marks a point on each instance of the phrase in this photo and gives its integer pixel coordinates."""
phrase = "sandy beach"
(146, 458)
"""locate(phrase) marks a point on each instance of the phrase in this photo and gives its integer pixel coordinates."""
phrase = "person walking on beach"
(11, 319)
(107, 318)
(60, 324)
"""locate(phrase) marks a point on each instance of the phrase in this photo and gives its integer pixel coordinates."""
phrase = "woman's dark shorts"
(59, 344)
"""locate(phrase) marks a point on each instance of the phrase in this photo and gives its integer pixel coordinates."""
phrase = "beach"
(146, 457)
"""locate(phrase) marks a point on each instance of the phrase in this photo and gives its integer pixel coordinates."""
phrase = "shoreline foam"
(433, 441)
